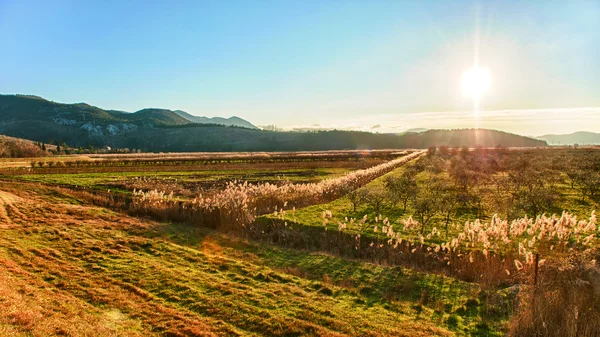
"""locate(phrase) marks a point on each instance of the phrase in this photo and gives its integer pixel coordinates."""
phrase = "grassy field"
(12, 163)
(71, 268)
(195, 181)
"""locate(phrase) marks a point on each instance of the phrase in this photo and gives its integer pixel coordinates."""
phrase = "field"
(327, 244)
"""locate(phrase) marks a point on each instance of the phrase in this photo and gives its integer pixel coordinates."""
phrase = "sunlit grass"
(153, 278)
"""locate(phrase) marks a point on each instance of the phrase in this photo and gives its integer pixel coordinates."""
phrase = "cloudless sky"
(350, 64)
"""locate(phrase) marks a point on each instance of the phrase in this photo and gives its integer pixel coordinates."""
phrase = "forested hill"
(163, 130)
(28, 109)
(469, 137)
(581, 138)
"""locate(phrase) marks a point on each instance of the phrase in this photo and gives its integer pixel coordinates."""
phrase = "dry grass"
(30, 307)
(565, 302)
(68, 268)
(16, 147)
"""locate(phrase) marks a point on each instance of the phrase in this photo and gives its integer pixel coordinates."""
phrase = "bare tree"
(402, 189)
(426, 204)
(357, 197)
(376, 198)
(448, 202)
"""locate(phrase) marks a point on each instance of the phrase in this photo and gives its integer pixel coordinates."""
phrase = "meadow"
(467, 242)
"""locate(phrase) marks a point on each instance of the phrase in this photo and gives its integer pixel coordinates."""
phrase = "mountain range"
(580, 137)
(29, 107)
(163, 130)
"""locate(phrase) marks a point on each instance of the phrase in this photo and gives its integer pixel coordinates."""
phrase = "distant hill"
(231, 121)
(580, 137)
(470, 138)
(417, 130)
(164, 130)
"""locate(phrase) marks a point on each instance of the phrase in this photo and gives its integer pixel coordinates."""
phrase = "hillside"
(580, 137)
(165, 130)
(17, 108)
(11, 147)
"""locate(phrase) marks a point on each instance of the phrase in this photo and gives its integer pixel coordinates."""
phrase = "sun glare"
(476, 82)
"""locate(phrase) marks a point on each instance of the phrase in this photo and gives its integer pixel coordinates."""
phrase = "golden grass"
(78, 270)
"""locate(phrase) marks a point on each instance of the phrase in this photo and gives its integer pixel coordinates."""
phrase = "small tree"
(431, 151)
(357, 197)
(589, 183)
(403, 189)
(502, 198)
(426, 203)
(536, 200)
(573, 173)
(448, 202)
(443, 151)
(376, 198)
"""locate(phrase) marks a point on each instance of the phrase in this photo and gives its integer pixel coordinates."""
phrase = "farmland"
(384, 243)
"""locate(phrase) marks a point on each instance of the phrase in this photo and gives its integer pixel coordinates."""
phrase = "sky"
(380, 66)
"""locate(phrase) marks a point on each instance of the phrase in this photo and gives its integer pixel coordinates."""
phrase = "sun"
(476, 82)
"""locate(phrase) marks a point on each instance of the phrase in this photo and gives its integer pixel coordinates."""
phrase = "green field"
(75, 262)
(107, 179)
(117, 274)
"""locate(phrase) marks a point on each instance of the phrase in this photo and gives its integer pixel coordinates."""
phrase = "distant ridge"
(163, 130)
(470, 138)
(417, 130)
(39, 108)
(580, 137)
(234, 120)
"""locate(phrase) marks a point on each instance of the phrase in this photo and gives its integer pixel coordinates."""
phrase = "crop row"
(239, 202)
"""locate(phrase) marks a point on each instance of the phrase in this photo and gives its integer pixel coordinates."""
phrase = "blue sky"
(345, 64)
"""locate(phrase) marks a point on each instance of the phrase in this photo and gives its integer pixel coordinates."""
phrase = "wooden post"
(535, 273)
(535, 279)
